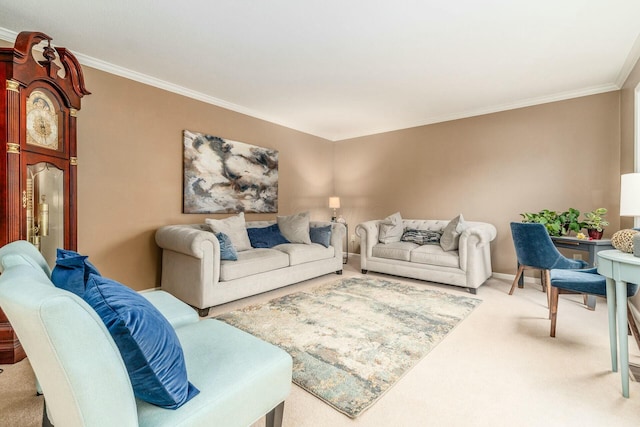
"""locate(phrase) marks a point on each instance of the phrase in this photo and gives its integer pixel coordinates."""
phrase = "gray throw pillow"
(451, 234)
(391, 229)
(295, 228)
(234, 227)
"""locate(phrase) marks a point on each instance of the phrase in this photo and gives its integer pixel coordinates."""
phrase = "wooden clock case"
(26, 68)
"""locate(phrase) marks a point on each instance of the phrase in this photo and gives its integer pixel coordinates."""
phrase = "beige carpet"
(497, 368)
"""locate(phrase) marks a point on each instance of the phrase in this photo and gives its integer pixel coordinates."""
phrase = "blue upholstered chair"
(579, 281)
(535, 250)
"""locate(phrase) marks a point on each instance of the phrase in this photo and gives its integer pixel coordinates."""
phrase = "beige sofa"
(469, 266)
(193, 272)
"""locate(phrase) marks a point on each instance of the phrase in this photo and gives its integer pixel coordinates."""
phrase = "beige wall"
(489, 168)
(130, 170)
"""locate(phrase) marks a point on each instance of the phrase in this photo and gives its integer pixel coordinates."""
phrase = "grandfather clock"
(40, 93)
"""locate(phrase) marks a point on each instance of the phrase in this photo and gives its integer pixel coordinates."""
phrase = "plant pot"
(595, 234)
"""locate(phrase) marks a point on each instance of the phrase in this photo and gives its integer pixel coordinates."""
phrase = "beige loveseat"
(193, 272)
(469, 266)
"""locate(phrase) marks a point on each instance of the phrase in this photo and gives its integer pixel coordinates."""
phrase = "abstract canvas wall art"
(224, 176)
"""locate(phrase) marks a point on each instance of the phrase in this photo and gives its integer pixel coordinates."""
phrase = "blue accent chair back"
(535, 250)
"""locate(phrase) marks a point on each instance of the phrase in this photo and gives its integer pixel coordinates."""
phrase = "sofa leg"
(473, 291)
(364, 271)
(339, 272)
(274, 417)
(45, 418)
(203, 312)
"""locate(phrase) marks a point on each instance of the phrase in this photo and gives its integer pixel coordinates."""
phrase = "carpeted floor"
(352, 339)
(498, 367)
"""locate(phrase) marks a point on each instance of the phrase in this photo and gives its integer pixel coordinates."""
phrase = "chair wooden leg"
(515, 281)
(632, 326)
(553, 308)
(547, 285)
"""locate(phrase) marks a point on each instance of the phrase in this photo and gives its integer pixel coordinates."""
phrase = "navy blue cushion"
(147, 342)
(227, 251)
(71, 271)
(321, 235)
(266, 237)
(584, 281)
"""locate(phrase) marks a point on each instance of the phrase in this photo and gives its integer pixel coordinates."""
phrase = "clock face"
(42, 120)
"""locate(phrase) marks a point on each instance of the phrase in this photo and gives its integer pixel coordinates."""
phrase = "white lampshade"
(630, 194)
(334, 202)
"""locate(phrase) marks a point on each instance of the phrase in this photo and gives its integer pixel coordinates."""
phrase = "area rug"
(352, 339)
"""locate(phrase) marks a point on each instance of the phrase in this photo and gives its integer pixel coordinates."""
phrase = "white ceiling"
(345, 68)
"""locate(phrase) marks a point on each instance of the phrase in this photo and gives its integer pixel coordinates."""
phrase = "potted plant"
(594, 223)
(556, 223)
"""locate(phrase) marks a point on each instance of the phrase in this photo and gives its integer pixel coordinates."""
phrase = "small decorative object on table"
(623, 240)
(594, 223)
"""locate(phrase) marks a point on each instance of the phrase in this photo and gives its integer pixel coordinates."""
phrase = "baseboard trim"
(511, 277)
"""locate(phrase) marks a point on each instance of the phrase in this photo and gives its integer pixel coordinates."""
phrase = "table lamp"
(334, 203)
(630, 202)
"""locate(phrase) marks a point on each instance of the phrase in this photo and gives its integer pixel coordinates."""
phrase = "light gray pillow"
(235, 228)
(391, 229)
(451, 234)
(295, 228)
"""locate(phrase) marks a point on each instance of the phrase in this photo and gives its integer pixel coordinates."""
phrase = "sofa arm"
(368, 233)
(190, 263)
(187, 239)
(474, 250)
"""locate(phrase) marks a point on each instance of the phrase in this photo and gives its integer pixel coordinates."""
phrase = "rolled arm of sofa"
(368, 233)
(187, 240)
(474, 248)
(190, 263)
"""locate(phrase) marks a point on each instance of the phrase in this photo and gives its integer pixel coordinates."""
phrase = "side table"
(345, 253)
(619, 268)
(345, 257)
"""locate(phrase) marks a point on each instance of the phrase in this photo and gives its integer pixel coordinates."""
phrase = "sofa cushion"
(321, 235)
(421, 237)
(435, 255)
(266, 237)
(227, 251)
(397, 250)
(391, 229)
(234, 227)
(148, 344)
(251, 262)
(451, 233)
(72, 271)
(295, 228)
(300, 254)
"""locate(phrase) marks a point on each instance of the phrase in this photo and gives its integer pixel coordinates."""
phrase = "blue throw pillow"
(227, 251)
(321, 235)
(71, 271)
(266, 237)
(147, 342)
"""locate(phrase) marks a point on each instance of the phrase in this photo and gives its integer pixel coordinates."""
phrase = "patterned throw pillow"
(421, 237)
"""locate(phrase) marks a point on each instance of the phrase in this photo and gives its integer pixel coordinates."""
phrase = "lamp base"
(636, 245)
